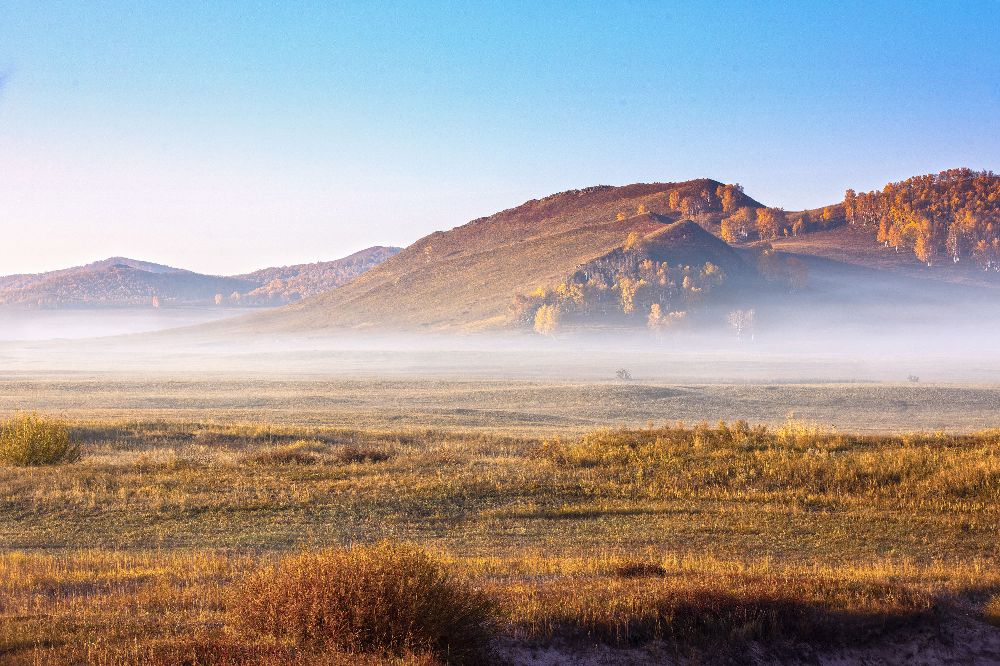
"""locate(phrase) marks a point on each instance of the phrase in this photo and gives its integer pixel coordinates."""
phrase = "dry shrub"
(991, 612)
(292, 454)
(31, 439)
(384, 599)
(352, 453)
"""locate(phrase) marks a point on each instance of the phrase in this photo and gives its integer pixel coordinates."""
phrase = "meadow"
(666, 543)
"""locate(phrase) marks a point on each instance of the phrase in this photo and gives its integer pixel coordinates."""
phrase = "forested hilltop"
(951, 216)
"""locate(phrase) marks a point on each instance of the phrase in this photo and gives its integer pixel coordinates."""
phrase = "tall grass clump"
(32, 439)
(387, 598)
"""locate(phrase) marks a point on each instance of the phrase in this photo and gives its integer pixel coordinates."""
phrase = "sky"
(227, 136)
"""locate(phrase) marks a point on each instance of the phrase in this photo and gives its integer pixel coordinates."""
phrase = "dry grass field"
(530, 407)
(177, 542)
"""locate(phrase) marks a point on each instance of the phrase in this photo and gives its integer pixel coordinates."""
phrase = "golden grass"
(703, 539)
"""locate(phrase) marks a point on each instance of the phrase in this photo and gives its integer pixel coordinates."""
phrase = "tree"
(655, 316)
(737, 227)
(742, 322)
(547, 319)
(627, 288)
(924, 249)
(850, 201)
(729, 195)
(631, 241)
(771, 222)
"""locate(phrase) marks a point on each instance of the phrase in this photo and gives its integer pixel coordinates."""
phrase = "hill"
(123, 282)
(291, 283)
(478, 275)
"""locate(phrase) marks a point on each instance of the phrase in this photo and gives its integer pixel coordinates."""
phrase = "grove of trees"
(623, 284)
(950, 216)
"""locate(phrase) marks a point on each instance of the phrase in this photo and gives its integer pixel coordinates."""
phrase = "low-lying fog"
(73, 324)
(782, 347)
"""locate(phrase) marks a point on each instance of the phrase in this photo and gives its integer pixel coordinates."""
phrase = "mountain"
(122, 282)
(474, 276)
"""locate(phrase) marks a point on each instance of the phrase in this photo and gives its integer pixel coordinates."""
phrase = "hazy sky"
(225, 136)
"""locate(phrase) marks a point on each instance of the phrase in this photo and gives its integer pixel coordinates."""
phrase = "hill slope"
(468, 277)
(292, 283)
(122, 282)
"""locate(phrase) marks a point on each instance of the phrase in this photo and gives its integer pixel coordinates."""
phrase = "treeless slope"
(687, 244)
(467, 277)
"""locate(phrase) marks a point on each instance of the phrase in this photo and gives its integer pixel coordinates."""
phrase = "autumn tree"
(771, 222)
(729, 196)
(627, 288)
(631, 241)
(737, 227)
(547, 319)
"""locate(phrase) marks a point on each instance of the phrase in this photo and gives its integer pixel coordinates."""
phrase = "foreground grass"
(697, 539)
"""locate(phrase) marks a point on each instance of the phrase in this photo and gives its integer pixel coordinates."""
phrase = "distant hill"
(478, 275)
(285, 284)
(122, 282)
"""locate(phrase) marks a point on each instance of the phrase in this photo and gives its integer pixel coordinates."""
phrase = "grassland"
(527, 407)
(652, 545)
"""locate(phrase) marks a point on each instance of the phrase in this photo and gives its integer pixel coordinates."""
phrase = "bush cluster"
(384, 598)
(31, 439)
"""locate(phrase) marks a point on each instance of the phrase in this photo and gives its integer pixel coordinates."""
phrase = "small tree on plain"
(742, 322)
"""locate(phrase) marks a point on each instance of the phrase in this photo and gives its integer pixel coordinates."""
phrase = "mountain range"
(650, 255)
(123, 282)
(640, 255)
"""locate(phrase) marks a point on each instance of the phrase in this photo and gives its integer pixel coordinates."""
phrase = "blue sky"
(226, 136)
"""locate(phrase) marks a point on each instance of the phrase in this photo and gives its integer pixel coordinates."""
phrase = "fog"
(782, 346)
(72, 324)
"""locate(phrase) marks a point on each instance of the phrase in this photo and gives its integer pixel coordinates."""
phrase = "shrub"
(30, 439)
(292, 454)
(992, 610)
(385, 598)
(352, 453)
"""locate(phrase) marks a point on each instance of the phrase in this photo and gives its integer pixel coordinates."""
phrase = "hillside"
(291, 283)
(122, 282)
(474, 276)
